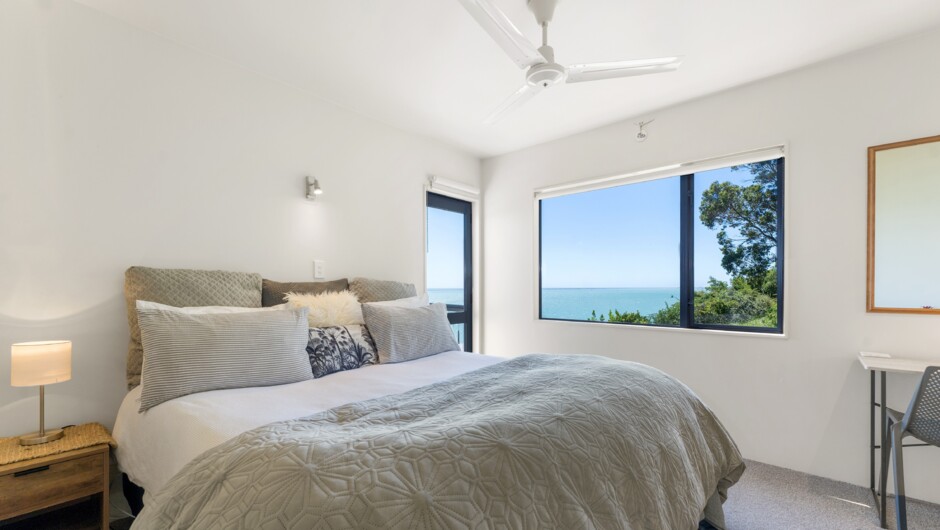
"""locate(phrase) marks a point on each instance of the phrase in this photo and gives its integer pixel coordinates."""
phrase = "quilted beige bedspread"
(541, 441)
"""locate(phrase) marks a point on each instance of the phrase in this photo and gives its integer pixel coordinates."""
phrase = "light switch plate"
(319, 269)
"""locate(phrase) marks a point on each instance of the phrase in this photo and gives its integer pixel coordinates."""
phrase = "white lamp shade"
(40, 363)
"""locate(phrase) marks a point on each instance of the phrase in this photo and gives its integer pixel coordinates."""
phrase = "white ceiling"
(425, 66)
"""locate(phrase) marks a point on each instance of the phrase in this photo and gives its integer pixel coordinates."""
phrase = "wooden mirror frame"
(870, 295)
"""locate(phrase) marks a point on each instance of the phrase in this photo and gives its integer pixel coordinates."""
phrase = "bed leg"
(133, 493)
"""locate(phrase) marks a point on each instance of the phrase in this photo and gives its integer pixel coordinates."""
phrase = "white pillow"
(329, 308)
(208, 309)
(413, 301)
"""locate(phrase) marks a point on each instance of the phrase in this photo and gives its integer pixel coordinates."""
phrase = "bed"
(450, 440)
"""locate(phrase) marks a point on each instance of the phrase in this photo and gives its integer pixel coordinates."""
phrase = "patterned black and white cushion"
(407, 333)
(337, 348)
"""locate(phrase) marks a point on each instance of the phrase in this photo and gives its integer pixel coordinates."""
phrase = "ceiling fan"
(542, 70)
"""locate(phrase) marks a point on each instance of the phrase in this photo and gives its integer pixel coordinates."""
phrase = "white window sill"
(659, 329)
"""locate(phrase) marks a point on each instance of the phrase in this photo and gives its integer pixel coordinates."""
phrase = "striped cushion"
(406, 333)
(185, 353)
(182, 287)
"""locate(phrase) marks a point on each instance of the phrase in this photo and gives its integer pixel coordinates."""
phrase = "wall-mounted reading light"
(313, 189)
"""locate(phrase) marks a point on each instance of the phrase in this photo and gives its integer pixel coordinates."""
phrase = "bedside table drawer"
(47, 485)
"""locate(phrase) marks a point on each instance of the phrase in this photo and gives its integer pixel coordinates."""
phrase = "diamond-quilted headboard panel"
(369, 290)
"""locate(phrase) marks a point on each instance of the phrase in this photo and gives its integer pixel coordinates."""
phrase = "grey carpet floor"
(775, 498)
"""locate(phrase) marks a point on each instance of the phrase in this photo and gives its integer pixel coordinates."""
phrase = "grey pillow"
(273, 293)
(368, 290)
(187, 353)
(407, 333)
(182, 288)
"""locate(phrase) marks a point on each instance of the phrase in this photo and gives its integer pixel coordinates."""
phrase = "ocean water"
(447, 296)
(577, 304)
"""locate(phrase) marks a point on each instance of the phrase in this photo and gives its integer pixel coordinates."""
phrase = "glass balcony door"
(449, 262)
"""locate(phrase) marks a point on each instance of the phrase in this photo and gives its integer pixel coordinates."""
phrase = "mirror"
(903, 221)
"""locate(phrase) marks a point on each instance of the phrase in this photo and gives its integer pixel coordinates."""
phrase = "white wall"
(120, 148)
(802, 401)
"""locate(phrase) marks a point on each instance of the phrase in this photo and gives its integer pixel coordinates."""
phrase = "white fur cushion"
(329, 308)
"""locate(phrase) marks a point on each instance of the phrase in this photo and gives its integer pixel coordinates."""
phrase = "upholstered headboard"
(368, 290)
(189, 288)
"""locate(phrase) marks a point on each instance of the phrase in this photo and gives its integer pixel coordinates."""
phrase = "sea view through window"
(699, 250)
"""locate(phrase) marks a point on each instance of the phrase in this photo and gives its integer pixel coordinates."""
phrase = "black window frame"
(687, 261)
(454, 315)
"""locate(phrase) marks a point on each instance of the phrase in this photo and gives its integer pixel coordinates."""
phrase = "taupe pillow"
(407, 333)
(182, 288)
(368, 290)
(273, 293)
(189, 352)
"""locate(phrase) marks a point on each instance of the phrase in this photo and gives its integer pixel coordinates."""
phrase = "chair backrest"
(923, 415)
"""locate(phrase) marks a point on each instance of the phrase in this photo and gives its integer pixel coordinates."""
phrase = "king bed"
(444, 440)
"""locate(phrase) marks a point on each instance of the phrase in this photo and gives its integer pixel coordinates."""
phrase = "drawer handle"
(30, 471)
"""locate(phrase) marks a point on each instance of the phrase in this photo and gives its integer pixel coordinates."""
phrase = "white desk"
(884, 365)
(901, 366)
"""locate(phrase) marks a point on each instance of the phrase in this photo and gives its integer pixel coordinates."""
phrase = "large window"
(698, 250)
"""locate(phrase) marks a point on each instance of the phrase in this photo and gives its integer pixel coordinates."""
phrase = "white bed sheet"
(155, 445)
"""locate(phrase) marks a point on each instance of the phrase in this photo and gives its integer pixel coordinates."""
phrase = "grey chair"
(922, 421)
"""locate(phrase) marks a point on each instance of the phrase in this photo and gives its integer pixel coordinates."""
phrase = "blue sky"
(445, 249)
(626, 236)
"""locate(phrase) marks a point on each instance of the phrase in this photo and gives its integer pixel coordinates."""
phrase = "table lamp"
(39, 364)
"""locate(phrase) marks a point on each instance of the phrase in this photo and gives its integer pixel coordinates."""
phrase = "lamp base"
(34, 438)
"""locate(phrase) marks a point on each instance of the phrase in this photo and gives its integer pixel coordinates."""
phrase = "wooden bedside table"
(34, 485)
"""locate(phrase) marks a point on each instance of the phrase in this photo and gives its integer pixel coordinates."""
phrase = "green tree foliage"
(627, 318)
(734, 304)
(616, 316)
(745, 217)
(668, 316)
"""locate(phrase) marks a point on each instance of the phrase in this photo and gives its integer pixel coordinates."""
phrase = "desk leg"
(884, 439)
(872, 445)
(881, 498)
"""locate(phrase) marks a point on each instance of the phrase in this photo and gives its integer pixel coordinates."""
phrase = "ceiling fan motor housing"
(546, 74)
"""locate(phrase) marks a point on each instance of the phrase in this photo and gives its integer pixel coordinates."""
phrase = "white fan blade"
(591, 72)
(513, 102)
(504, 32)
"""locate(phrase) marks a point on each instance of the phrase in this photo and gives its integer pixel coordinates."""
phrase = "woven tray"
(76, 437)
